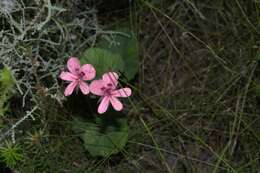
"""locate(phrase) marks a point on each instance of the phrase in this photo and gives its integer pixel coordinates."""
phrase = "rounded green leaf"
(103, 135)
(103, 60)
(125, 45)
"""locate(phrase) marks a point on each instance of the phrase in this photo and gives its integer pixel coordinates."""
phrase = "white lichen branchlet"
(14, 126)
(7, 5)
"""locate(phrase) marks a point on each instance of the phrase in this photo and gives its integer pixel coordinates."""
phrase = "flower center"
(107, 90)
(81, 74)
(109, 85)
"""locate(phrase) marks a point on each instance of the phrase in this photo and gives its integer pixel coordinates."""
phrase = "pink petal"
(95, 87)
(110, 78)
(89, 72)
(84, 87)
(67, 76)
(73, 65)
(69, 89)
(103, 105)
(117, 105)
(124, 92)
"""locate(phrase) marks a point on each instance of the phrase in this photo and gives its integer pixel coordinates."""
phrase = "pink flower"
(77, 75)
(106, 87)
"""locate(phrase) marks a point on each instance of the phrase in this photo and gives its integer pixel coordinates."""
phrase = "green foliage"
(125, 45)
(257, 90)
(103, 135)
(6, 89)
(257, 57)
(120, 54)
(6, 78)
(108, 134)
(102, 60)
(11, 154)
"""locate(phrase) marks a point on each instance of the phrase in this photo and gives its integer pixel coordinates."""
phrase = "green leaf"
(103, 135)
(257, 56)
(6, 89)
(257, 90)
(102, 60)
(126, 45)
(6, 79)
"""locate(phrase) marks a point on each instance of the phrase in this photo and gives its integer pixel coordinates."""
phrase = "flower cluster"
(106, 87)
